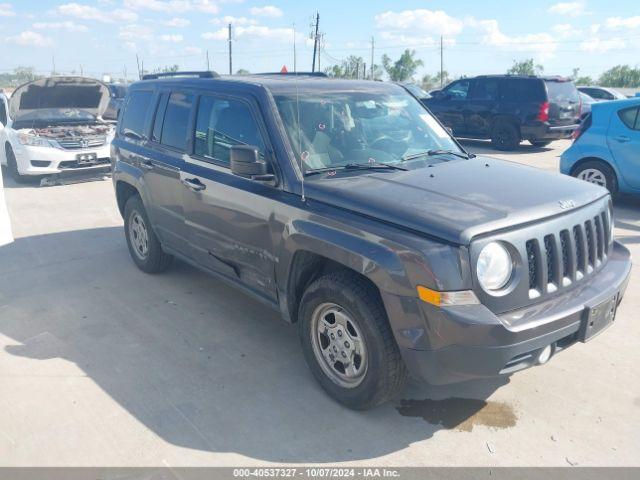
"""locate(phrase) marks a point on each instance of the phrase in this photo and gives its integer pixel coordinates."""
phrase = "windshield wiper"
(357, 166)
(435, 152)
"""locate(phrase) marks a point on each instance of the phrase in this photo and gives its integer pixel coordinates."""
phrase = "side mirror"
(246, 162)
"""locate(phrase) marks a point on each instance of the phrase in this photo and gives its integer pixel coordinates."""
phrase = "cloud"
(266, 11)
(30, 39)
(543, 44)
(171, 38)
(434, 22)
(87, 12)
(173, 6)
(176, 22)
(6, 10)
(67, 25)
(134, 32)
(597, 45)
(253, 32)
(234, 21)
(620, 22)
(571, 9)
(190, 50)
(565, 30)
(415, 40)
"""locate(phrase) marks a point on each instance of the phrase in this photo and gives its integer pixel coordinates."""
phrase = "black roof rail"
(292, 74)
(204, 74)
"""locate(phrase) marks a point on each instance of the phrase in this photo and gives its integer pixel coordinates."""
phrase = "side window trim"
(257, 118)
(160, 105)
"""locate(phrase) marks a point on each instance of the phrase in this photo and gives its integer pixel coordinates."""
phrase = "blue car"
(606, 147)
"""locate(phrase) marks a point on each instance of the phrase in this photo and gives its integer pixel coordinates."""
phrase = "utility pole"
(371, 67)
(441, 62)
(81, 71)
(208, 69)
(53, 64)
(124, 71)
(138, 63)
(230, 54)
(315, 41)
(320, 42)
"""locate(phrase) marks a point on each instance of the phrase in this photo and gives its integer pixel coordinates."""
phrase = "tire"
(599, 173)
(505, 136)
(380, 373)
(144, 246)
(12, 166)
(539, 143)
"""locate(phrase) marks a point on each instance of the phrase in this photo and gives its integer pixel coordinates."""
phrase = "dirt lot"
(104, 365)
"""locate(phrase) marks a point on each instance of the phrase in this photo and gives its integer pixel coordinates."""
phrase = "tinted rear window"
(629, 117)
(176, 120)
(562, 92)
(523, 90)
(135, 114)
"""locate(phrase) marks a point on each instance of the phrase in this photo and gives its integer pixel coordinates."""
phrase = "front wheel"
(12, 166)
(144, 246)
(598, 173)
(348, 343)
(505, 136)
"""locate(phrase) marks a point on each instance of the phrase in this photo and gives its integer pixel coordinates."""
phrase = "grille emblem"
(565, 204)
(84, 143)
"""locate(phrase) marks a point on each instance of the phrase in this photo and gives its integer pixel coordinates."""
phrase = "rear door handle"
(193, 184)
(622, 138)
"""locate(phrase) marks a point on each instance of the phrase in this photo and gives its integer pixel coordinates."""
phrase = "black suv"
(348, 208)
(508, 109)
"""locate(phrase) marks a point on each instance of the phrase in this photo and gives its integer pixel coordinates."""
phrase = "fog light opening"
(545, 354)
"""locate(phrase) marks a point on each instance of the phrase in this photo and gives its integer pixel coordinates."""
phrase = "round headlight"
(494, 266)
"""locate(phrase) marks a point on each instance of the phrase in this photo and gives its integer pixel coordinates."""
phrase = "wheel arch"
(124, 191)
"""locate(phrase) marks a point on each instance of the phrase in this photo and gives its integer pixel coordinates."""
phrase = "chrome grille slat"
(76, 143)
(599, 237)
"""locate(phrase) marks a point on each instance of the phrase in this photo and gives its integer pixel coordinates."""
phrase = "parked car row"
(58, 125)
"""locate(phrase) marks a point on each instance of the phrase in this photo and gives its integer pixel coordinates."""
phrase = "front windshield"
(332, 129)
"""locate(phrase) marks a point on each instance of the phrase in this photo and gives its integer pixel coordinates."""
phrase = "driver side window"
(458, 90)
(221, 124)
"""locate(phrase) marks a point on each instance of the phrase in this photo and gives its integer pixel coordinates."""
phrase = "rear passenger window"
(629, 117)
(135, 114)
(523, 90)
(176, 120)
(220, 124)
(485, 89)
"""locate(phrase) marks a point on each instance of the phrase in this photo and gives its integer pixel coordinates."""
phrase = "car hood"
(59, 93)
(456, 201)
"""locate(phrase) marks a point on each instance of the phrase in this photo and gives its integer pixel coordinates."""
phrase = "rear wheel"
(144, 246)
(598, 173)
(505, 136)
(539, 143)
(12, 166)
(348, 343)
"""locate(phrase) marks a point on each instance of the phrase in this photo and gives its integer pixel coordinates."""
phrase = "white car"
(54, 126)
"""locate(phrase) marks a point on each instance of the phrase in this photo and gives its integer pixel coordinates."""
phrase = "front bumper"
(48, 160)
(540, 131)
(467, 342)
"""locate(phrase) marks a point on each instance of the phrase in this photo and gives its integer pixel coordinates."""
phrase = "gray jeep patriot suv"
(347, 207)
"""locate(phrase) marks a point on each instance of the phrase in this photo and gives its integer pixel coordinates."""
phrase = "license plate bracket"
(86, 158)
(598, 318)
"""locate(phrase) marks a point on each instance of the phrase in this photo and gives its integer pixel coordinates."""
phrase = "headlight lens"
(494, 266)
(35, 141)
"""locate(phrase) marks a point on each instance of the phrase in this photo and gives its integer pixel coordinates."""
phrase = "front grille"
(567, 256)
(76, 143)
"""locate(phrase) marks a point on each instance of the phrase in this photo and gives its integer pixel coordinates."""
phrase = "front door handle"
(147, 164)
(193, 184)
(622, 138)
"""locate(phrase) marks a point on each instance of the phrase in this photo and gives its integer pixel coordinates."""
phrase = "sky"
(104, 36)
